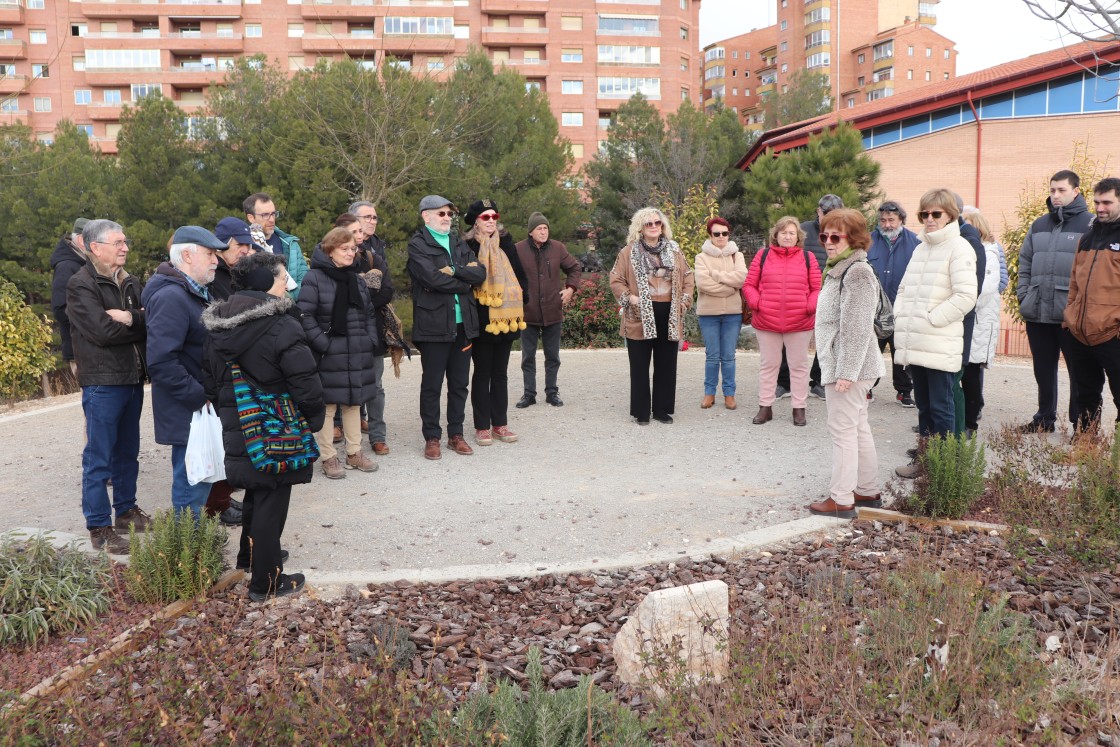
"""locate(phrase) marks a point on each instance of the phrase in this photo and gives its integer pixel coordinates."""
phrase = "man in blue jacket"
(892, 246)
(261, 210)
(174, 300)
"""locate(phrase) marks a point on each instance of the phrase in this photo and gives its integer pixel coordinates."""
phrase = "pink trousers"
(770, 360)
(855, 465)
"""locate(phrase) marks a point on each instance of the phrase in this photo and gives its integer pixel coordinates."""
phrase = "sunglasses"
(653, 223)
(831, 238)
(717, 234)
(935, 214)
(489, 216)
(445, 213)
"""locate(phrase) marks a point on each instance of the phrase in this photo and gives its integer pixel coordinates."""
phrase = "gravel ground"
(584, 487)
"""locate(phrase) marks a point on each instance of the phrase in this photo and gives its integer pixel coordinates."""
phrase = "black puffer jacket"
(66, 260)
(505, 242)
(263, 335)
(345, 361)
(108, 353)
(434, 292)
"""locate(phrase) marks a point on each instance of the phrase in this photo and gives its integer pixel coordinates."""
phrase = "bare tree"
(1091, 20)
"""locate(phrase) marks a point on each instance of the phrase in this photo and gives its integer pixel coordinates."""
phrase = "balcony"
(11, 12)
(194, 75)
(339, 43)
(513, 36)
(120, 76)
(175, 41)
(13, 84)
(354, 10)
(764, 89)
(103, 112)
(514, 6)
(13, 49)
(406, 44)
(529, 68)
(169, 8)
(107, 145)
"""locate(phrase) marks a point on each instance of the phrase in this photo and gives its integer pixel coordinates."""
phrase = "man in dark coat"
(234, 233)
(892, 246)
(108, 325)
(175, 298)
(68, 257)
(372, 256)
(259, 329)
(543, 260)
(444, 321)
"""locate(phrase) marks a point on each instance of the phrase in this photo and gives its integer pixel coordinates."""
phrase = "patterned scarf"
(500, 290)
(642, 261)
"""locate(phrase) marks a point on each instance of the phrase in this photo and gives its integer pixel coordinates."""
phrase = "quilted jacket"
(783, 295)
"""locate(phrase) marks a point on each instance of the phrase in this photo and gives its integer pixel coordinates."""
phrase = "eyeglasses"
(273, 214)
(489, 216)
(718, 234)
(370, 218)
(115, 244)
(935, 214)
(348, 249)
(656, 223)
(445, 213)
(831, 238)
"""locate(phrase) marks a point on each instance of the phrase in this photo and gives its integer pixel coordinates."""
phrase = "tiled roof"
(1009, 75)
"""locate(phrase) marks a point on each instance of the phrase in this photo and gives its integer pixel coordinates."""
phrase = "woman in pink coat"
(782, 288)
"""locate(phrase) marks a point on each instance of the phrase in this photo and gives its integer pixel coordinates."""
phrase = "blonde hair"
(639, 221)
(980, 223)
(784, 221)
(941, 198)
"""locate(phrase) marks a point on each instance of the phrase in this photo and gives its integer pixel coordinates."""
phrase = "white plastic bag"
(206, 456)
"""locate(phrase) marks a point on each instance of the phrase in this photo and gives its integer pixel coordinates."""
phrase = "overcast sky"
(986, 32)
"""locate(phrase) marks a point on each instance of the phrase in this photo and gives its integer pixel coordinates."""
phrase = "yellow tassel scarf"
(500, 291)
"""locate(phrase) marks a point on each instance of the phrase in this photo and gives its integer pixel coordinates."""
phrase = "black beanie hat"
(477, 208)
(258, 279)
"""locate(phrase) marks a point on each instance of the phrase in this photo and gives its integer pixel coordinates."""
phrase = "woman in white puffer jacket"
(937, 291)
(985, 334)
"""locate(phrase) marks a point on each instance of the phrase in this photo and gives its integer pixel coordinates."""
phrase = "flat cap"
(434, 202)
(199, 236)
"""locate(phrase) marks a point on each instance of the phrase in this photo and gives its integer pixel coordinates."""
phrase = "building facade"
(868, 49)
(86, 59)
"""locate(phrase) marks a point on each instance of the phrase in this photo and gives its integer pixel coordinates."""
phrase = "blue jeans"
(933, 394)
(112, 450)
(721, 336)
(183, 494)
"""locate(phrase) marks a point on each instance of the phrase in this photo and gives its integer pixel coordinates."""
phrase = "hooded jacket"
(543, 265)
(1046, 259)
(66, 260)
(175, 340)
(782, 291)
(1093, 312)
(293, 254)
(985, 335)
(345, 361)
(262, 334)
(433, 292)
(108, 352)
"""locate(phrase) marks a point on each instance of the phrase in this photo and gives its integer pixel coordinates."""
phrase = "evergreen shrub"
(952, 477)
(178, 558)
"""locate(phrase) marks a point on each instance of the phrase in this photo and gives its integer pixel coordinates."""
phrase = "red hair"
(717, 221)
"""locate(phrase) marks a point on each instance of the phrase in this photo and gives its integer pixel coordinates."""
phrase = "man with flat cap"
(443, 269)
(68, 257)
(174, 299)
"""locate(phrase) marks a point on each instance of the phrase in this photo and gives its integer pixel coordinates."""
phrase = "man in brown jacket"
(543, 260)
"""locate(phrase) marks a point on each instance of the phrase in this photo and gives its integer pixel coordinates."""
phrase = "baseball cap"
(233, 228)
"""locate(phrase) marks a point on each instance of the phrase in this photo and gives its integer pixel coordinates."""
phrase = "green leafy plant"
(591, 319)
(46, 590)
(575, 717)
(178, 558)
(25, 340)
(952, 477)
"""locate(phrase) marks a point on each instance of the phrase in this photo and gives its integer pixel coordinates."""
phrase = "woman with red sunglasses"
(720, 272)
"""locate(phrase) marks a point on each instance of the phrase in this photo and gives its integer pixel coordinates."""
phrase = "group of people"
(320, 332)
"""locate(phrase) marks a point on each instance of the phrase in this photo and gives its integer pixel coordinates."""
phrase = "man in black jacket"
(444, 320)
(68, 257)
(371, 256)
(108, 326)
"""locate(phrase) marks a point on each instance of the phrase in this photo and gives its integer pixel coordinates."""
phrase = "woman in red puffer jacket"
(782, 288)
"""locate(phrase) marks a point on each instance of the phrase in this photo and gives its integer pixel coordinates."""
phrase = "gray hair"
(359, 204)
(890, 206)
(97, 230)
(960, 202)
(177, 250)
(639, 221)
(828, 203)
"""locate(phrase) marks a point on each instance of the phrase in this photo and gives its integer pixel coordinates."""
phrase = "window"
(734, 73)
(425, 25)
(401, 63)
(571, 86)
(531, 56)
(87, 129)
(714, 72)
(879, 93)
(817, 38)
(36, 4)
(364, 31)
(785, 67)
(83, 96)
(785, 46)
(140, 90)
(9, 105)
(435, 64)
(122, 58)
(624, 88)
(42, 103)
(225, 30)
(684, 32)
(734, 91)
(684, 94)
(860, 59)
(500, 55)
(462, 31)
(46, 138)
(533, 22)
(735, 55)
(571, 23)
(38, 36)
(605, 120)
(851, 102)
(295, 62)
(684, 4)
(532, 85)
(79, 63)
(635, 25)
(946, 54)
(7, 69)
(684, 64)
(945, 76)
(884, 50)
(571, 119)
(79, 29)
(253, 31)
(40, 71)
(818, 16)
(577, 150)
(624, 55)
(909, 50)
(860, 81)
(7, 34)
(190, 31)
(929, 52)
(886, 73)
(714, 54)
(928, 75)
(909, 75)
(295, 30)
(785, 25)
(111, 96)
(571, 55)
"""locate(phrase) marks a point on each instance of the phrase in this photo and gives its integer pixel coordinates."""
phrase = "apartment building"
(84, 60)
(869, 49)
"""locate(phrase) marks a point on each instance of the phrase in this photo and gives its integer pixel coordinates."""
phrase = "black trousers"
(1046, 342)
(900, 377)
(549, 338)
(440, 361)
(490, 381)
(972, 384)
(783, 372)
(1089, 365)
(264, 513)
(663, 351)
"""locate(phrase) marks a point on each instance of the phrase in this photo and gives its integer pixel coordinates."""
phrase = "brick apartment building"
(84, 60)
(869, 49)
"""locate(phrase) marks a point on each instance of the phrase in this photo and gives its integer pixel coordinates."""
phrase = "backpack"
(748, 315)
(277, 437)
(884, 313)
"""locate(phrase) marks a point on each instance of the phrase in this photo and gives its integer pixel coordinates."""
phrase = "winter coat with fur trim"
(719, 280)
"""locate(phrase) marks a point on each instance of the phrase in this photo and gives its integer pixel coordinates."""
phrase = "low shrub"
(579, 716)
(591, 319)
(46, 590)
(952, 477)
(178, 558)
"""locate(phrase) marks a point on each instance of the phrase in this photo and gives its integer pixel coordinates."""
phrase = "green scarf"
(833, 261)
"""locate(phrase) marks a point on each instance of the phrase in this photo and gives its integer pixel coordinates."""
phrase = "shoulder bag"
(277, 437)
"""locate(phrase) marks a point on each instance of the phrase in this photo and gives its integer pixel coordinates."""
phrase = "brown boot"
(729, 403)
(431, 449)
(765, 415)
(799, 416)
(708, 401)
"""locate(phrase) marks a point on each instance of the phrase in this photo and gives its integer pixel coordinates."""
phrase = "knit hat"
(79, 224)
(477, 208)
(258, 279)
(537, 219)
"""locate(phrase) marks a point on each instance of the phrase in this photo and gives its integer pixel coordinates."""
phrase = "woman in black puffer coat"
(500, 300)
(338, 321)
(259, 329)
